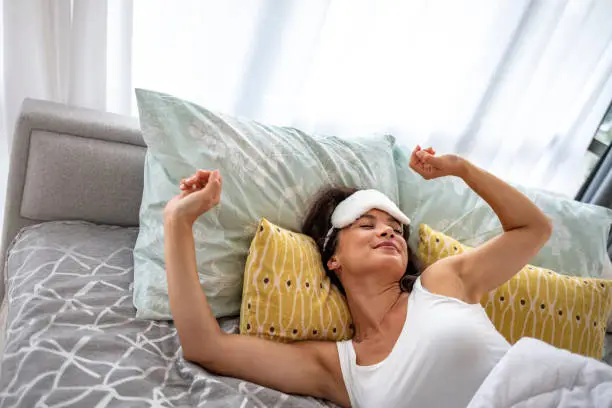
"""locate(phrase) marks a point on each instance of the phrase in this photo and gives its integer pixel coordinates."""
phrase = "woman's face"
(372, 243)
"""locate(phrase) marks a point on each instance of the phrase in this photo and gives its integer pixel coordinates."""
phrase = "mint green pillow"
(578, 245)
(268, 171)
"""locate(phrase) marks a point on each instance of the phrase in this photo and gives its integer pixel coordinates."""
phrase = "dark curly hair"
(318, 222)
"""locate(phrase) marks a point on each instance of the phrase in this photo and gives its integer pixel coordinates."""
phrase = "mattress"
(73, 340)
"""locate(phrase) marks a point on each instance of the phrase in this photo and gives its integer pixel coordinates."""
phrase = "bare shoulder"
(444, 278)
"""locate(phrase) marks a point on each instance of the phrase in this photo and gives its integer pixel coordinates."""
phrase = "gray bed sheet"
(72, 338)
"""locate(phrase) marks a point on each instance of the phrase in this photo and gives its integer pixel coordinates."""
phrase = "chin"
(389, 262)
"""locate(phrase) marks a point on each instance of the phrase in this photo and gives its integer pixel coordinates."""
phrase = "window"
(600, 142)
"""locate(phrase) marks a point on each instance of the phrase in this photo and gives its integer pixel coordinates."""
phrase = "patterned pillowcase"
(268, 171)
(567, 312)
(287, 295)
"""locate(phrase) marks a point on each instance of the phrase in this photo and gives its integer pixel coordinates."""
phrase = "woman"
(425, 342)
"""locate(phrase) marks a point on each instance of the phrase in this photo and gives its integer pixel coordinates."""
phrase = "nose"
(386, 231)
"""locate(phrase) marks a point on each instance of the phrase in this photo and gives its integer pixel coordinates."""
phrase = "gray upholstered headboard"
(71, 163)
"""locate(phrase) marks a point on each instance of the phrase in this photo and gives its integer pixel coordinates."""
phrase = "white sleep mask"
(359, 203)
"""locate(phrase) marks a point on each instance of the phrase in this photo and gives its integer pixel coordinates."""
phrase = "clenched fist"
(429, 166)
(199, 193)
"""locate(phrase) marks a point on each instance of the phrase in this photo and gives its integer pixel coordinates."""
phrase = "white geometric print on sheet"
(73, 339)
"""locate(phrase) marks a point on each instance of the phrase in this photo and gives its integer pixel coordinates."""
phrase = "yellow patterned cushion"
(567, 312)
(286, 294)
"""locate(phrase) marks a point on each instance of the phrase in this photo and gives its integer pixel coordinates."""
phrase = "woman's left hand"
(429, 166)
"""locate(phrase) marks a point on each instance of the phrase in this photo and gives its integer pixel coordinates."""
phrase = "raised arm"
(307, 368)
(526, 230)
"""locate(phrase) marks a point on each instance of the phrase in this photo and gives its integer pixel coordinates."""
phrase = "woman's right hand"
(199, 193)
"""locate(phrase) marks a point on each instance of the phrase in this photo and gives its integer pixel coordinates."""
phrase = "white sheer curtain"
(518, 86)
(77, 53)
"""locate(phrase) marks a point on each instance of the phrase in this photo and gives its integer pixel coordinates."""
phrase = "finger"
(197, 181)
(419, 168)
(203, 176)
(188, 182)
(211, 193)
(430, 150)
(427, 157)
(414, 155)
(188, 189)
(214, 184)
(187, 186)
(422, 155)
(425, 153)
(415, 160)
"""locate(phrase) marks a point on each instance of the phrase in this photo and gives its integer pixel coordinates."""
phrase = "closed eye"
(398, 231)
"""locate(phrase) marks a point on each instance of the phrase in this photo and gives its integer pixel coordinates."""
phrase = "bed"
(69, 333)
(71, 221)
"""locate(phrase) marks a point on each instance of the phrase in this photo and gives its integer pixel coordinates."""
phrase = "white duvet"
(536, 374)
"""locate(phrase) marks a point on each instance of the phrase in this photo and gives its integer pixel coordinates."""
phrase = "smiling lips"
(387, 244)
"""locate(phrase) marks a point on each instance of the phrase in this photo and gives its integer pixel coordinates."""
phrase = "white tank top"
(445, 350)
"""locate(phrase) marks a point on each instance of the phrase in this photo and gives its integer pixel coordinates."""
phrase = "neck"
(369, 305)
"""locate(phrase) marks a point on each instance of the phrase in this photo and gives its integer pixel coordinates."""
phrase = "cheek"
(352, 243)
(405, 249)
